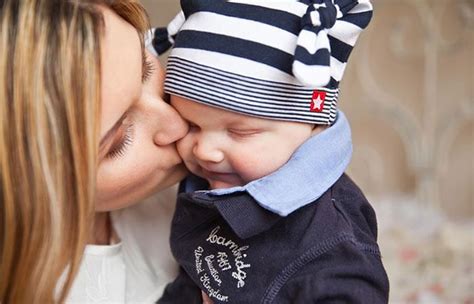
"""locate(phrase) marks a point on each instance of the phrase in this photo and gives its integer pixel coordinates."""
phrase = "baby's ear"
(318, 129)
(190, 7)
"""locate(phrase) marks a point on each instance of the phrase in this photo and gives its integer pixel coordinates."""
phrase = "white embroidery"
(214, 273)
(213, 238)
(211, 292)
(230, 257)
(240, 275)
(223, 260)
(198, 254)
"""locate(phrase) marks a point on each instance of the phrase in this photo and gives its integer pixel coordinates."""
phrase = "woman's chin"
(126, 194)
(177, 174)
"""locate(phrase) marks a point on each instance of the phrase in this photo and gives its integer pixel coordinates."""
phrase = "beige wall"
(409, 94)
(161, 11)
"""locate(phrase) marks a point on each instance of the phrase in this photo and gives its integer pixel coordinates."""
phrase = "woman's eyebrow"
(147, 67)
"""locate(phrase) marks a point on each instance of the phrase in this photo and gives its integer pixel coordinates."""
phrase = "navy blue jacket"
(238, 252)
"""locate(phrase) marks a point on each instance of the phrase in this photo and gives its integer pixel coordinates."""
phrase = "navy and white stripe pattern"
(276, 59)
(163, 38)
(246, 95)
(327, 25)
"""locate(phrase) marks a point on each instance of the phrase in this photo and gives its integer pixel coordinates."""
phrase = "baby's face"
(230, 149)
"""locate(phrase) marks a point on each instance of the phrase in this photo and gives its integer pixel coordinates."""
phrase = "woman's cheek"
(128, 173)
(118, 175)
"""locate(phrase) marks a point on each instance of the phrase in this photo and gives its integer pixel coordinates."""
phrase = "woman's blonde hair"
(49, 128)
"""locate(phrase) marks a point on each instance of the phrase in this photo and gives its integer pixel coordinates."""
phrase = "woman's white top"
(137, 269)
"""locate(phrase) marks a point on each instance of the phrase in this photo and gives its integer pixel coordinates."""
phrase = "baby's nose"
(206, 149)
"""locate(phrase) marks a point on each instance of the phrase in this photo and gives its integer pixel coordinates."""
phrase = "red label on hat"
(317, 101)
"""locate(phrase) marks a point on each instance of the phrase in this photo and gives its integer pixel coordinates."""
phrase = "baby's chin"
(216, 184)
(222, 183)
(217, 180)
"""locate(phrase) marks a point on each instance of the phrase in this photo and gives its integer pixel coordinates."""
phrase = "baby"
(268, 215)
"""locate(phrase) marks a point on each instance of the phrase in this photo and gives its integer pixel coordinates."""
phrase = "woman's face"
(139, 129)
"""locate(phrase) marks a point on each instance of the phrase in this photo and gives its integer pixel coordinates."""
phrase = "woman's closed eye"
(121, 141)
(148, 69)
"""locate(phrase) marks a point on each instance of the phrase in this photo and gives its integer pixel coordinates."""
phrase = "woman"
(78, 134)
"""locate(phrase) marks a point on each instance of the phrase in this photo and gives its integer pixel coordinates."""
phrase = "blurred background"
(408, 93)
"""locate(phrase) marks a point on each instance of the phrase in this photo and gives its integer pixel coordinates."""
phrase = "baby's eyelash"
(148, 69)
(121, 148)
(243, 133)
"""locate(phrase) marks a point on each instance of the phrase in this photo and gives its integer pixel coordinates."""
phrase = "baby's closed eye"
(236, 132)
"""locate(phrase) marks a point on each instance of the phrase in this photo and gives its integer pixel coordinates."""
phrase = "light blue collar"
(314, 167)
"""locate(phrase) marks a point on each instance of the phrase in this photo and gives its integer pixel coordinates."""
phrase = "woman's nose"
(171, 127)
(207, 149)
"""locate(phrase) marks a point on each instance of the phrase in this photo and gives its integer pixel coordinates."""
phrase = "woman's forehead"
(121, 69)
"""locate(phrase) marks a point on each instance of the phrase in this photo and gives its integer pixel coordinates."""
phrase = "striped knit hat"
(274, 59)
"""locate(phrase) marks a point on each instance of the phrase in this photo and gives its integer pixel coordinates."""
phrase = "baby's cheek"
(184, 147)
(185, 151)
(256, 165)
